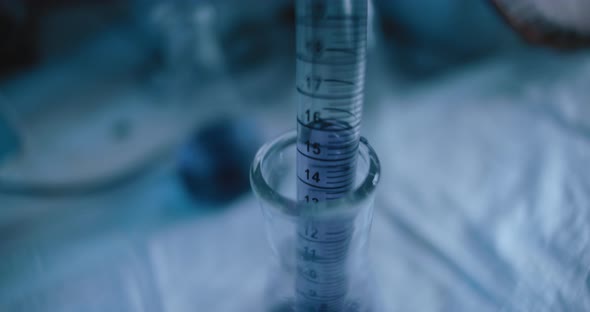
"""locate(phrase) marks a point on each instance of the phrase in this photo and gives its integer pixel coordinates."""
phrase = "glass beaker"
(273, 180)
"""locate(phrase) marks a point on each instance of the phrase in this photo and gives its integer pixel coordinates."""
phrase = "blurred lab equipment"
(183, 35)
(562, 24)
(214, 163)
(244, 44)
(315, 251)
(206, 37)
(431, 36)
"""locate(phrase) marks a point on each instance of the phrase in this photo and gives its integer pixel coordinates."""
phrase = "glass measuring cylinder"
(331, 51)
(289, 221)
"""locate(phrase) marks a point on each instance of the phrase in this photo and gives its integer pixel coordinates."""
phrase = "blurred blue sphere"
(214, 164)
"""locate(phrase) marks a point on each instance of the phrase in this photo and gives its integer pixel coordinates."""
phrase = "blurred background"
(127, 128)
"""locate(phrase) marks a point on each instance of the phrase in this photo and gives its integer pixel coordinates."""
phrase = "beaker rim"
(290, 206)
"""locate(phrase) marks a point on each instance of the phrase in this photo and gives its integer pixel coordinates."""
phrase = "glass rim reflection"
(290, 206)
